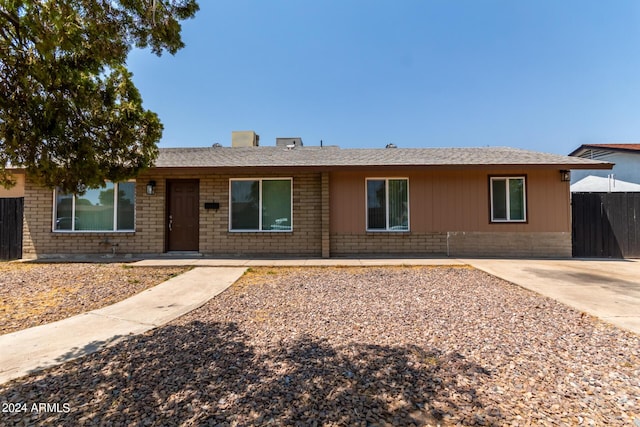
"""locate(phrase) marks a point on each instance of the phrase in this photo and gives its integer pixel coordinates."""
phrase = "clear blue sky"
(545, 75)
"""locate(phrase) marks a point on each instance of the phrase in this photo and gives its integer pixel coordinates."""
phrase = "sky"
(542, 75)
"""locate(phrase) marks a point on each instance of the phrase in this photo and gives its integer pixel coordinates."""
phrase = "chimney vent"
(245, 138)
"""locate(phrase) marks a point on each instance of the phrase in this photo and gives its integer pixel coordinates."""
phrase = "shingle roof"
(334, 157)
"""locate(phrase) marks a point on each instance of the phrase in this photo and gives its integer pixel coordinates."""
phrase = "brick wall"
(510, 244)
(455, 244)
(149, 237)
(325, 215)
(304, 240)
(40, 241)
(381, 243)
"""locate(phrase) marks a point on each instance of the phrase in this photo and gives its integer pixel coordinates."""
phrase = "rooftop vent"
(245, 138)
(288, 142)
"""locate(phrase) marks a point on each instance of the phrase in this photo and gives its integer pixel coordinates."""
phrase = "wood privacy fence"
(11, 211)
(605, 225)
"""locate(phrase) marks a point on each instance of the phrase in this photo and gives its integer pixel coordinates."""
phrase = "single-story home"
(299, 201)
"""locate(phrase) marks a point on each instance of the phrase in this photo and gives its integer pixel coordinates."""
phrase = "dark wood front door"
(182, 215)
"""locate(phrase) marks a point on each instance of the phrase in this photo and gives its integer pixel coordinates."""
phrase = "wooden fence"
(605, 225)
(11, 211)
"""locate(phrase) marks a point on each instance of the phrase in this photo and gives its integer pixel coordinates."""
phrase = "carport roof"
(336, 158)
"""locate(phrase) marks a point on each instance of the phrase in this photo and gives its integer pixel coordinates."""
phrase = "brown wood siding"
(457, 200)
(15, 191)
(347, 202)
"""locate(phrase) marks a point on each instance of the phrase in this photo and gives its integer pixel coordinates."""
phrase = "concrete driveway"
(608, 289)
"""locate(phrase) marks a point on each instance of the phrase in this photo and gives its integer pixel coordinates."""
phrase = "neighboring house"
(624, 177)
(290, 200)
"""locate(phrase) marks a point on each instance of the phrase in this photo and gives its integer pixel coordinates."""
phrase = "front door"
(182, 215)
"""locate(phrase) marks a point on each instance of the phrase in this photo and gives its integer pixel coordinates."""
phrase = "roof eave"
(577, 151)
(585, 147)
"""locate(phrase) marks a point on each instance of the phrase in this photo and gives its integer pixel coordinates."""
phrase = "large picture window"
(111, 208)
(260, 204)
(508, 199)
(388, 204)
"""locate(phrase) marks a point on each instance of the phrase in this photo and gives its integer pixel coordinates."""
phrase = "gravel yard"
(353, 346)
(35, 294)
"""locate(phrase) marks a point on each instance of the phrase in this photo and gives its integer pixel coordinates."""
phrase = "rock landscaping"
(352, 346)
(35, 294)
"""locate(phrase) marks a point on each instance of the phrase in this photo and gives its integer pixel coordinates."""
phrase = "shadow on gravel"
(89, 348)
(206, 374)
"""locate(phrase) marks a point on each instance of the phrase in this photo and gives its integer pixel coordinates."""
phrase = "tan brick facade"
(380, 243)
(512, 244)
(149, 237)
(455, 244)
(40, 241)
(304, 240)
(326, 233)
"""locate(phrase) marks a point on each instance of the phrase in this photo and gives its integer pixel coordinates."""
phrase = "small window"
(111, 208)
(387, 204)
(508, 199)
(260, 204)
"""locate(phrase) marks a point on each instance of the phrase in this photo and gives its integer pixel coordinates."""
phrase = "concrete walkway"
(609, 290)
(43, 346)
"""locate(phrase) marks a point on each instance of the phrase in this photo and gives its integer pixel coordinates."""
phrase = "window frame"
(525, 206)
(116, 186)
(386, 190)
(259, 229)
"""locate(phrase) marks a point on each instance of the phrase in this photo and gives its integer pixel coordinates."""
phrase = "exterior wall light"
(151, 188)
(565, 175)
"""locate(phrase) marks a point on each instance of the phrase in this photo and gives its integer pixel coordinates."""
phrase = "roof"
(333, 157)
(597, 150)
(594, 183)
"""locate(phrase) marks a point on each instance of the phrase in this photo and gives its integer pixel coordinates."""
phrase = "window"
(508, 199)
(388, 204)
(260, 204)
(111, 208)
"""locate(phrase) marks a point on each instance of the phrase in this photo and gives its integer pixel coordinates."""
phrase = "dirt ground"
(33, 294)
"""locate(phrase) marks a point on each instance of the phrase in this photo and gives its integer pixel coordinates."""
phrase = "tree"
(69, 111)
